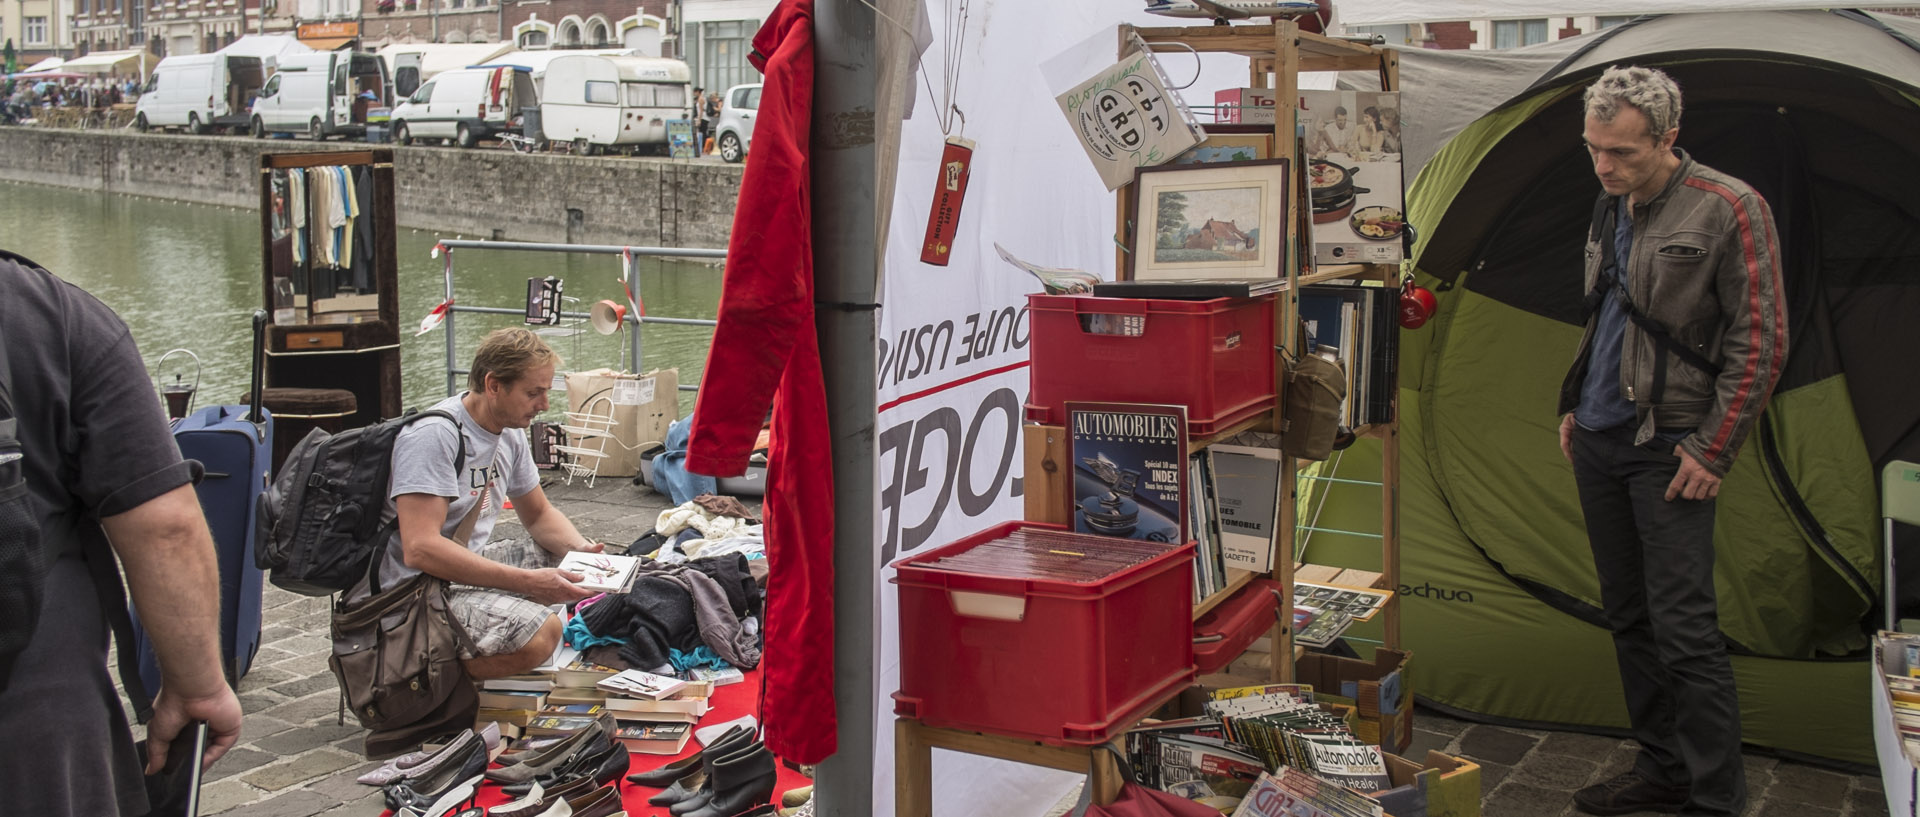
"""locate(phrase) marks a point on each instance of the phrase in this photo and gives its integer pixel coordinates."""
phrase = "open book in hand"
(601, 571)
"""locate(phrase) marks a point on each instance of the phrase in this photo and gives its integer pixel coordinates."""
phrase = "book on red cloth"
(654, 737)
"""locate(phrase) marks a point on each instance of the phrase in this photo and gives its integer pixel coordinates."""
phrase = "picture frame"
(1209, 220)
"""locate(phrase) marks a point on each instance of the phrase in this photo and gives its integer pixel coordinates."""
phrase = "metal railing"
(632, 270)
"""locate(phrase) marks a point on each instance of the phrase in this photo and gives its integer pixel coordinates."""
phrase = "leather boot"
(692, 784)
(740, 782)
(665, 775)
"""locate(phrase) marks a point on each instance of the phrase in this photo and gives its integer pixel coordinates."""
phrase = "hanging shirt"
(765, 350)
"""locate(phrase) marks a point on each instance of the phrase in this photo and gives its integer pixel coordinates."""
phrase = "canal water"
(187, 276)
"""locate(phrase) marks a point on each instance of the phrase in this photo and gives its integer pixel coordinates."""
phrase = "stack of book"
(1362, 323)
(512, 702)
(1209, 558)
(1293, 793)
(1284, 726)
(1900, 663)
(654, 713)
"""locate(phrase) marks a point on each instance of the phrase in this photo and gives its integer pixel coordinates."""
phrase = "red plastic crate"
(1058, 662)
(1214, 357)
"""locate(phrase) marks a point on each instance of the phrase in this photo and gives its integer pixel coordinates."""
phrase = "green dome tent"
(1817, 110)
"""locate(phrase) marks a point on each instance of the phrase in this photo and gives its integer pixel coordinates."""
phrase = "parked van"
(465, 105)
(199, 92)
(599, 103)
(733, 132)
(321, 94)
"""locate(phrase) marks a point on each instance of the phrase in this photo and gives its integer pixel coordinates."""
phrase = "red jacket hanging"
(766, 339)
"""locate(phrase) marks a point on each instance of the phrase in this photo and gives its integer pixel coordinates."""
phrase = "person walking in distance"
(90, 476)
(1685, 337)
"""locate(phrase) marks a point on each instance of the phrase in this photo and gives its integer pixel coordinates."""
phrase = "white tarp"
(1395, 12)
(437, 57)
(953, 348)
(270, 48)
(47, 65)
(103, 62)
(536, 61)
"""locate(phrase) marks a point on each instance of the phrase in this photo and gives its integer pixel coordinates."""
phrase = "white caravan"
(465, 105)
(198, 92)
(599, 103)
(321, 94)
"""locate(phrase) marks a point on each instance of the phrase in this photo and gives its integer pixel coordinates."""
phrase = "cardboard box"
(1379, 690)
(1444, 787)
(1246, 106)
(642, 405)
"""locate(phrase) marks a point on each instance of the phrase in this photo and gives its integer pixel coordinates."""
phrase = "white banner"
(953, 339)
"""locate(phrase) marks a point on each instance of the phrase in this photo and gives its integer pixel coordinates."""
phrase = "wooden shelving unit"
(1279, 53)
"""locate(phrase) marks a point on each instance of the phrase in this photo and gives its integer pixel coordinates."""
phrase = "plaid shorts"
(496, 621)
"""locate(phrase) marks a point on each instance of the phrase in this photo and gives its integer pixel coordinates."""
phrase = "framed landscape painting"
(1222, 220)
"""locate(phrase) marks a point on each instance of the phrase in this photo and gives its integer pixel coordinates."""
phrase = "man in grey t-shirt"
(499, 590)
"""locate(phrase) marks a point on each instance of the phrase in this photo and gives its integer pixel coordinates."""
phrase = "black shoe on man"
(1629, 793)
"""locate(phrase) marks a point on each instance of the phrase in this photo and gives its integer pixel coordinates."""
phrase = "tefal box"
(1246, 106)
(1444, 786)
(1378, 689)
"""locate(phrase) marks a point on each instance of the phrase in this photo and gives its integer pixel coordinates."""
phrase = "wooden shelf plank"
(1236, 579)
(1258, 41)
(1365, 272)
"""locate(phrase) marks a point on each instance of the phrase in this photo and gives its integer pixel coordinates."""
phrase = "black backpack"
(327, 513)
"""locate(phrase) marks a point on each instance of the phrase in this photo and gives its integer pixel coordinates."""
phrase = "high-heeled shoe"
(457, 781)
(665, 775)
(546, 760)
(740, 781)
(602, 764)
(415, 764)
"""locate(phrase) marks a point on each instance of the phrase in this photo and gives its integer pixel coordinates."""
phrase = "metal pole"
(453, 386)
(845, 266)
(632, 271)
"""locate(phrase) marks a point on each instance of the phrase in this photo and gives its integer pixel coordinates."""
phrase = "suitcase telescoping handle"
(254, 414)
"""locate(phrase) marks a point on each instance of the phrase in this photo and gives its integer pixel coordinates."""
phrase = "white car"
(733, 134)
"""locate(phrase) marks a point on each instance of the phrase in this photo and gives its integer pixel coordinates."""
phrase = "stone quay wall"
(487, 193)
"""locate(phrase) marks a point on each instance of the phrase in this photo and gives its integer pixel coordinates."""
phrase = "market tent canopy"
(106, 62)
(1815, 110)
(270, 47)
(48, 64)
(437, 57)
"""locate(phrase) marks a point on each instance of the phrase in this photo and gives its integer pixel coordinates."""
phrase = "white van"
(612, 102)
(465, 105)
(321, 94)
(199, 92)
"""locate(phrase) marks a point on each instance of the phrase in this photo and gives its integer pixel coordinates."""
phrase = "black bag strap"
(1085, 801)
(94, 551)
(386, 532)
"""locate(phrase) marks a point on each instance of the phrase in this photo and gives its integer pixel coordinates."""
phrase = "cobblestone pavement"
(295, 760)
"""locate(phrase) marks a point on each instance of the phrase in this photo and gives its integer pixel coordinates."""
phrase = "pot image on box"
(1354, 170)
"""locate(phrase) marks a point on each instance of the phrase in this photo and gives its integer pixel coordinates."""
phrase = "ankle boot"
(665, 775)
(740, 782)
(691, 786)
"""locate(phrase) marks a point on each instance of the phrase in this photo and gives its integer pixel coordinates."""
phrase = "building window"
(1605, 23)
(569, 34)
(533, 39)
(36, 31)
(1516, 33)
(597, 33)
(722, 51)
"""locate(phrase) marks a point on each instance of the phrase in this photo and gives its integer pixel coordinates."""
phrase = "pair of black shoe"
(602, 759)
(454, 781)
(730, 777)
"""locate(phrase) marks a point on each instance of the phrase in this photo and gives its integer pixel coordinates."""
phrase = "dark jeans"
(1655, 560)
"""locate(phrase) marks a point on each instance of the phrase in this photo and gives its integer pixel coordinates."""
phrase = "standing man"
(499, 591)
(94, 473)
(1684, 342)
(698, 113)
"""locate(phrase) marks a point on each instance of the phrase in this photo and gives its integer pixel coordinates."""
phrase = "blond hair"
(1649, 90)
(508, 354)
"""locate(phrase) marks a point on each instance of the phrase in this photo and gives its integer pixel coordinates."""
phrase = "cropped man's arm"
(1753, 348)
(174, 578)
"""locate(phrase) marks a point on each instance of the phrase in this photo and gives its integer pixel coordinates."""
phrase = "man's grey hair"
(1649, 90)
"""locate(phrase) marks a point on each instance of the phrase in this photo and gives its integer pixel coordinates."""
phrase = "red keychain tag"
(949, 191)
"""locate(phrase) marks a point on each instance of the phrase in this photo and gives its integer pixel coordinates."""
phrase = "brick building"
(37, 28)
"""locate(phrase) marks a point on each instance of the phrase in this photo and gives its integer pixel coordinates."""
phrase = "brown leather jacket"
(1704, 266)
